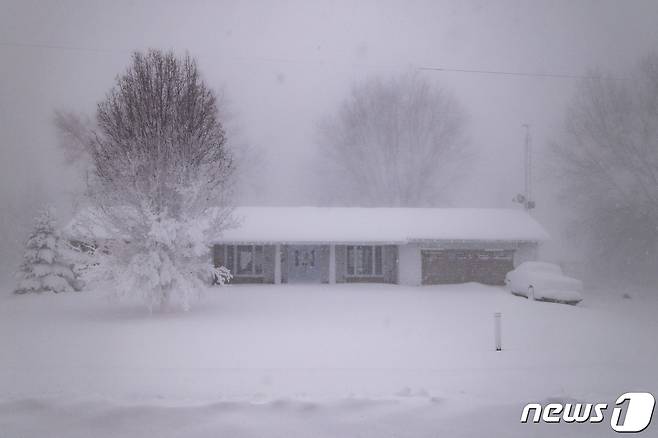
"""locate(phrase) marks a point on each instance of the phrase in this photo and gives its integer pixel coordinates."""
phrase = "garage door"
(462, 266)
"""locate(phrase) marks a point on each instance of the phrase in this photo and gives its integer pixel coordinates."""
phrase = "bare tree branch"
(162, 174)
(607, 164)
(393, 143)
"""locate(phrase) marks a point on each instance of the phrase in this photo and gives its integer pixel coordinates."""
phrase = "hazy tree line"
(393, 142)
(607, 165)
(157, 165)
(156, 160)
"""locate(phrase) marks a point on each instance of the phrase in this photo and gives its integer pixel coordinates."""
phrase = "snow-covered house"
(411, 246)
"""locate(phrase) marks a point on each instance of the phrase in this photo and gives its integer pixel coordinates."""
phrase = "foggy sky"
(284, 65)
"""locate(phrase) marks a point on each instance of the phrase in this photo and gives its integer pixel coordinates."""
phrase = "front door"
(304, 264)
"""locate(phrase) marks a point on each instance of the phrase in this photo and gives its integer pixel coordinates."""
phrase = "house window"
(350, 260)
(245, 263)
(378, 261)
(304, 258)
(364, 261)
(309, 258)
(229, 258)
(258, 259)
(244, 260)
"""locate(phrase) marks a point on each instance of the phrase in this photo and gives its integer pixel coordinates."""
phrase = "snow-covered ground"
(317, 361)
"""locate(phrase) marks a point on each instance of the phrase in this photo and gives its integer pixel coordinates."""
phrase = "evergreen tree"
(42, 268)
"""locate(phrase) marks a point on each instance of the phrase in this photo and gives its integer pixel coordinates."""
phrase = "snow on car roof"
(384, 225)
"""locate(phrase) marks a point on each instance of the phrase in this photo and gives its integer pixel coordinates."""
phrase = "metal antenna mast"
(528, 169)
(526, 197)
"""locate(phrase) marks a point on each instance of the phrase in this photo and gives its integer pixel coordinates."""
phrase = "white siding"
(525, 253)
(409, 264)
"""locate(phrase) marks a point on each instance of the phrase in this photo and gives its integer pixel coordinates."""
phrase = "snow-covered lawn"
(317, 361)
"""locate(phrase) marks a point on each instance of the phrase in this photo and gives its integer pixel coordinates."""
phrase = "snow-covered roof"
(355, 224)
(384, 225)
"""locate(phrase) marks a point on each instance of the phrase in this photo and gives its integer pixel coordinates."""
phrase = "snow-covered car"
(543, 281)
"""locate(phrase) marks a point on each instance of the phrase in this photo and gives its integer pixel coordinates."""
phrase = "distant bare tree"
(162, 176)
(248, 159)
(74, 131)
(608, 166)
(20, 199)
(398, 142)
(74, 135)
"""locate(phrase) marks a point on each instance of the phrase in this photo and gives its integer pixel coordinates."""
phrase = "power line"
(504, 73)
(515, 73)
(287, 61)
(58, 47)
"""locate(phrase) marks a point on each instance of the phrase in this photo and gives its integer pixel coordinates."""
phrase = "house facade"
(412, 246)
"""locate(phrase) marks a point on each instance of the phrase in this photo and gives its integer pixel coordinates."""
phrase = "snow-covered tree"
(607, 165)
(43, 269)
(161, 179)
(396, 142)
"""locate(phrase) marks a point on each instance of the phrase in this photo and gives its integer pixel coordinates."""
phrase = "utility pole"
(529, 203)
(526, 197)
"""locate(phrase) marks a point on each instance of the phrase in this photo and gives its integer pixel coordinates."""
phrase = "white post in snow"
(497, 317)
(332, 264)
(277, 264)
